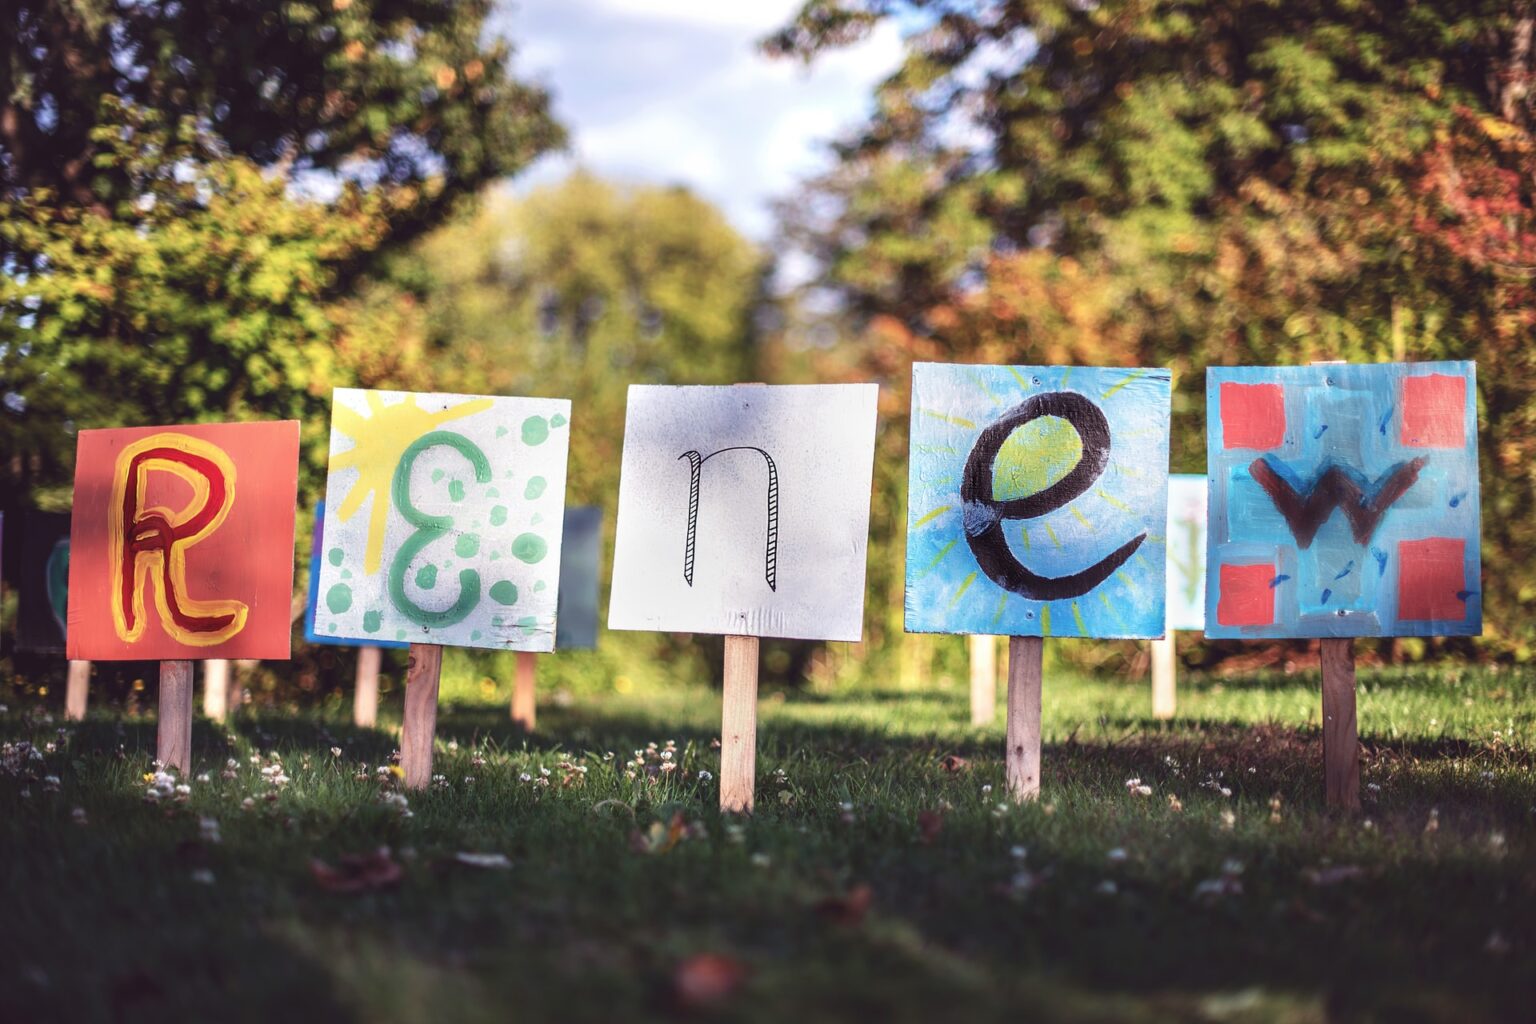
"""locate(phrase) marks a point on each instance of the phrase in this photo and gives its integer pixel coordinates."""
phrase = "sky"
(668, 92)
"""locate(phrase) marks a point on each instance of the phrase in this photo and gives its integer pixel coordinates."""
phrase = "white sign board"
(443, 519)
(745, 509)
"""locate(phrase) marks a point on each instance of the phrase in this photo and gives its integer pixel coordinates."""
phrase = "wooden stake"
(1341, 738)
(215, 688)
(738, 725)
(420, 723)
(175, 716)
(1023, 754)
(983, 651)
(524, 700)
(77, 690)
(1165, 667)
(365, 696)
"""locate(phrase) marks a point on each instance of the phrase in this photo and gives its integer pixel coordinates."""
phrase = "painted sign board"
(181, 542)
(1344, 501)
(1037, 500)
(443, 519)
(744, 510)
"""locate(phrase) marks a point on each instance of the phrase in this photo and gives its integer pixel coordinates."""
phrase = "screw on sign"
(1036, 508)
(181, 547)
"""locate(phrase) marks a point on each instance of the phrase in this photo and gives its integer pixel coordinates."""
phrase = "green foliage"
(1254, 904)
(1188, 184)
(190, 193)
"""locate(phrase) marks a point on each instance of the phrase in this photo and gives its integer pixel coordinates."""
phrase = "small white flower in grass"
(183, 790)
(1117, 855)
(1368, 825)
(335, 751)
(203, 778)
(761, 860)
(608, 756)
(986, 789)
(78, 816)
(1228, 819)
(666, 755)
(525, 777)
(1137, 788)
(1373, 787)
(1496, 843)
(1018, 852)
(208, 830)
(1433, 824)
(705, 776)
(544, 772)
(51, 784)
(1106, 888)
(247, 804)
(453, 745)
(255, 759)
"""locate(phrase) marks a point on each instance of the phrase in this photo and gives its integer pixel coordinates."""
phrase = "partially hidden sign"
(580, 552)
(443, 519)
(1344, 501)
(42, 582)
(316, 554)
(181, 543)
(745, 510)
(1037, 500)
(1186, 551)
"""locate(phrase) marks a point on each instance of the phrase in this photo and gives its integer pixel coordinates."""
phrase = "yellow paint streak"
(1077, 616)
(1049, 532)
(1023, 382)
(1045, 620)
(965, 585)
(1113, 501)
(997, 616)
(1082, 518)
(959, 421)
(946, 549)
(931, 516)
(1128, 378)
(1130, 584)
(379, 440)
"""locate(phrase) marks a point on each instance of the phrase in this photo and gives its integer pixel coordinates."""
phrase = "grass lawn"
(873, 883)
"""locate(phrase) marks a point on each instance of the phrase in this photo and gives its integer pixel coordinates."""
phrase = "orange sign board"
(181, 544)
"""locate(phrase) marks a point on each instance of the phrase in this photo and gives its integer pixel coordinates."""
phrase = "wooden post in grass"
(1341, 738)
(215, 688)
(983, 651)
(738, 725)
(1023, 753)
(77, 690)
(420, 723)
(524, 701)
(365, 695)
(174, 747)
(1165, 668)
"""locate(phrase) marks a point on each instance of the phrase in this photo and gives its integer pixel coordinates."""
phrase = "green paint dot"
(557, 420)
(333, 627)
(346, 574)
(399, 634)
(426, 576)
(372, 621)
(491, 492)
(475, 635)
(1034, 457)
(501, 431)
(528, 622)
(339, 598)
(498, 515)
(456, 490)
(496, 621)
(437, 475)
(529, 547)
(538, 517)
(495, 555)
(503, 592)
(535, 488)
(467, 546)
(541, 585)
(535, 430)
(336, 556)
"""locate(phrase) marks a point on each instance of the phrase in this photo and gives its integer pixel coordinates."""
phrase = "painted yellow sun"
(379, 440)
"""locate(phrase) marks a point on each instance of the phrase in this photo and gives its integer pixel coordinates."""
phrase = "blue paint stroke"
(1319, 432)
(1458, 498)
(1381, 560)
(1346, 570)
(1326, 595)
(1386, 418)
(1277, 581)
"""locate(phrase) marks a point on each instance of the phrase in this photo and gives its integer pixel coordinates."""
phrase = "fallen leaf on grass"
(659, 838)
(1333, 875)
(495, 861)
(929, 825)
(955, 764)
(358, 872)
(707, 979)
(848, 909)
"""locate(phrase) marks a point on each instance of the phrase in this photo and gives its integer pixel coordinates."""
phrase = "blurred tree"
(1194, 183)
(190, 194)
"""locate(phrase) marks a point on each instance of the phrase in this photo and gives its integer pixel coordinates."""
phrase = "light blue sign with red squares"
(1343, 501)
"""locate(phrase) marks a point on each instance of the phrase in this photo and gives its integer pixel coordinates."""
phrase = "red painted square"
(1434, 411)
(1246, 597)
(1252, 415)
(1430, 574)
